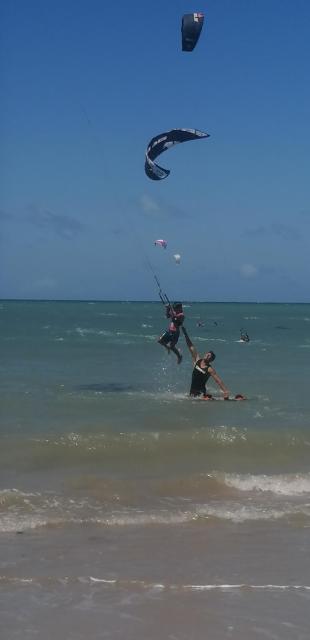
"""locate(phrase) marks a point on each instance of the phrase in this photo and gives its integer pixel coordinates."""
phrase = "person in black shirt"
(203, 371)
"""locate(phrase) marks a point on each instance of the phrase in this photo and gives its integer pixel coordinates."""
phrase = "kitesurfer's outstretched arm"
(190, 345)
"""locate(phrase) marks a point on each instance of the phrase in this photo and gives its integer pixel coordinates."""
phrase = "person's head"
(209, 356)
(177, 306)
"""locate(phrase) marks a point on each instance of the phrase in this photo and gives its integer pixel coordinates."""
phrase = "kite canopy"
(161, 143)
(191, 29)
(161, 243)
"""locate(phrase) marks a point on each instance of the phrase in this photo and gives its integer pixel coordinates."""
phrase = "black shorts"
(170, 337)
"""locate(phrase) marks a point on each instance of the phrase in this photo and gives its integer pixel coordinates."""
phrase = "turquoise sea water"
(67, 364)
(113, 479)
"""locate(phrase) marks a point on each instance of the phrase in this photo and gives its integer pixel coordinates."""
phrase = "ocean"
(129, 510)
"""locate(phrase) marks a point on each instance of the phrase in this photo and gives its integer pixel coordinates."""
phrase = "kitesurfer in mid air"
(203, 371)
(170, 338)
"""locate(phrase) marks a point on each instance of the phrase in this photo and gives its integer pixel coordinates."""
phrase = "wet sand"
(235, 582)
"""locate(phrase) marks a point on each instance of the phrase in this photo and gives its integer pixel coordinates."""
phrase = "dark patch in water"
(279, 326)
(114, 387)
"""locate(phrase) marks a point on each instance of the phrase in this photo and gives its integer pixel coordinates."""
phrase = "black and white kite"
(161, 143)
(191, 29)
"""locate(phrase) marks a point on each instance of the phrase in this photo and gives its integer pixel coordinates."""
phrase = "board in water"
(235, 398)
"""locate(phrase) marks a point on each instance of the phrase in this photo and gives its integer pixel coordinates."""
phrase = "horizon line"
(148, 301)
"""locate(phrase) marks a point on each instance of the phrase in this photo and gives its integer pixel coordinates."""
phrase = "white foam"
(6, 495)
(104, 580)
(85, 332)
(15, 523)
(241, 586)
(35, 511)
(144, 584)
(148, 518)
(239, 513)
(286, 485)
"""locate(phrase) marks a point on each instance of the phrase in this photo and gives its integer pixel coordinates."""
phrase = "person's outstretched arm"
(190, 345)
(220, 382)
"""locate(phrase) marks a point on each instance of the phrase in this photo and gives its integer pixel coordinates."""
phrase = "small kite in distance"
(161, 243)
(177, 258)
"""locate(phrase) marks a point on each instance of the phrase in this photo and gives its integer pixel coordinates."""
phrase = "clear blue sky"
(85, 84)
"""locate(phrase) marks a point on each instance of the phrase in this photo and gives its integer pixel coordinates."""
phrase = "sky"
(84, 86)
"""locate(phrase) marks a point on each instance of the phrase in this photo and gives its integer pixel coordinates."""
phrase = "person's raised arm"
(190, 345)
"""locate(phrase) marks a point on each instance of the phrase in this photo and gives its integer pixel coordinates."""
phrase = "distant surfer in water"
(202, 372)
(244, 336)
(170, 338)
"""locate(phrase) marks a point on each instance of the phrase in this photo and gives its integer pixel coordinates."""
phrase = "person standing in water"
(203, 371)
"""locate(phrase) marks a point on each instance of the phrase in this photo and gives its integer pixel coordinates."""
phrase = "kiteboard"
(235, 398)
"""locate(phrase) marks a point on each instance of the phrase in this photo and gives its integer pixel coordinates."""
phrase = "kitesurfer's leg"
(168, 341)
(175, 337)
(177, 353)
(163, 345)
(164, 340)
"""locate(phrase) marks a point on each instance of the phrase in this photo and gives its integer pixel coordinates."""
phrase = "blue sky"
(83, 88)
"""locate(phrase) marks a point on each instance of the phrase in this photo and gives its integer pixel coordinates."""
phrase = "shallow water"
(130, 510)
